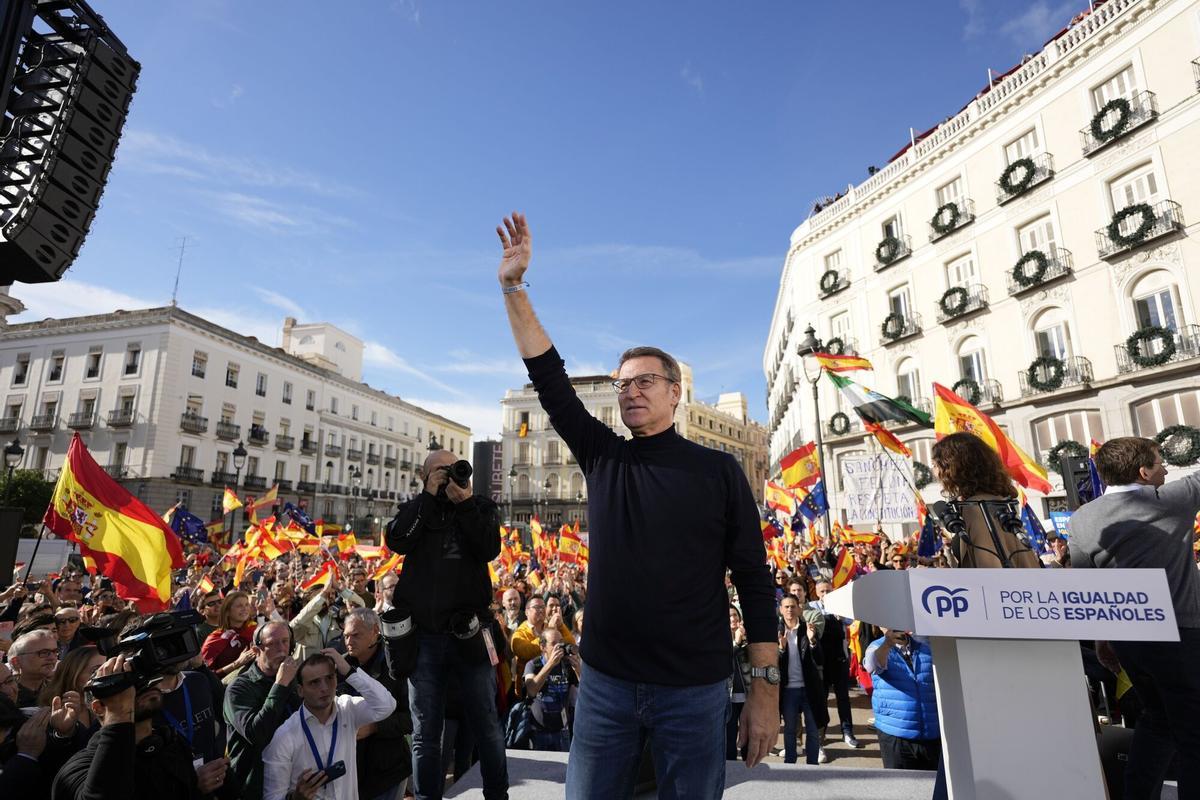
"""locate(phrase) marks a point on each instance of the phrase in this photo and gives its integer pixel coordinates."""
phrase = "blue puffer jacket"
(904, 700)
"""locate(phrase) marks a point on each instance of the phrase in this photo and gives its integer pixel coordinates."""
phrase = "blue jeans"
(613, 718)
(437, 657)
(794, 702)
(552, 741)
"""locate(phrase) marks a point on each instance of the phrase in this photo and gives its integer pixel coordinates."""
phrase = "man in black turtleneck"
(668, 517)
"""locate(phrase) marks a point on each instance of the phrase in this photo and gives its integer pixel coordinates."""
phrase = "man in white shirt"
(322, 734)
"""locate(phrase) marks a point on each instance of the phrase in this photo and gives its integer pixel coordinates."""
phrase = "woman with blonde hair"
(971, 471)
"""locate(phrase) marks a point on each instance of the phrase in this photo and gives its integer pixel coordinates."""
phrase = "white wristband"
(515, 288)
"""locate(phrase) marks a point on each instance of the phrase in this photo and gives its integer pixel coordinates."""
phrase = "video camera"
(151, 649)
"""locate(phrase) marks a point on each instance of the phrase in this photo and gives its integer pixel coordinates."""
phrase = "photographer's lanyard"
(312, 745)
(190, 731)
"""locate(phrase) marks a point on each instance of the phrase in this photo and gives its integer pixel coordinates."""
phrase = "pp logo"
(945, 601)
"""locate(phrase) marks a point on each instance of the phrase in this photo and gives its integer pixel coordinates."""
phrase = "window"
(1023, 146)
(119, 453)
(333, 405)
(231, 375)
(133, 358)
(13, 411)
(1123, 84)
(260, 384)
(287, 393)
(304, 470)
(252, 465)
(833, 261)
(42, 460)
(87, 405)
(91, 368)
(1180, 408)
(307, 340)
(972, 361)
(523, 453)
(1052, 335)
(891, 227)
(21, 370)
(839, 326)
(57, 362)
(391, 423)
(1037, 235)
(228, 413)
(899, 302)
(353, 411)
(280, 470)
(195, 405)
(199, 364)
(1081, 426)
(125, 402)
(310, 400)
(187, 455)
(285, 426)
(222, 461)
(374, 418)
(1155, 302)
(951, 192)
(961, 271)
(908, 379)
(1138, 186)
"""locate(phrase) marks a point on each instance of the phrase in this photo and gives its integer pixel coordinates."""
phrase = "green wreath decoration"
(1138, 234)
(1124, 117)
(1056, 372)
(830, 280)
(922, 475)
(1026, 279)
(973, 391)
(839, 424)
(1015, 187)
(835, 346)
(954, 301)
(950, 221)
(888, 250)
(893, 326)
(1174, 451)
(1068, 446)
(1135, 345)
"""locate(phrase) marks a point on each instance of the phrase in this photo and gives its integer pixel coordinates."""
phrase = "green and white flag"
(877, 408)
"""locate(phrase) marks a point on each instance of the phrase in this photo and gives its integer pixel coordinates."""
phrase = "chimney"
(288, 324)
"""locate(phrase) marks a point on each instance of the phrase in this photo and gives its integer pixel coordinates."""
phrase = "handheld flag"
(953, 414)
(779, 498)
(324, 575)
(887, 439)
(1098, 486)
(394, 562)
(188, 526)
(264, 502)
(770, 529)
(930, 541)
(229, 501)
(117, 534)
(815, 504)
(841, 363)
(844, 570)
(872, 406)
(801, 467)
(1033, 526)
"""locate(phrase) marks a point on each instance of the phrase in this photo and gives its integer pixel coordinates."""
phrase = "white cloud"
(1038, 22)
(975, 24)
(485, 420)
(254, 212)
(661, 259)
(692, 78)
(380, 356)
(72, 298)
(282, 302)
(408, 9)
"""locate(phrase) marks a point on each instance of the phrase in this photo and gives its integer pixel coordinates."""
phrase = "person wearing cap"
(1060, 552)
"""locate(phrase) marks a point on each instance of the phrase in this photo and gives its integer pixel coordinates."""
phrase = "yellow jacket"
(526, 647)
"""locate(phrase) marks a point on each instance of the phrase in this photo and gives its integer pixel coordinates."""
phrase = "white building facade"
(162, 398)
(1013, 251)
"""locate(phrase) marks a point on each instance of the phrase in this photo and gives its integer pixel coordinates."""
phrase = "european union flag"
(188, 526)
(1033, 527)
(815, 504)
(302, 519)
(930, 542)
(1098, 486)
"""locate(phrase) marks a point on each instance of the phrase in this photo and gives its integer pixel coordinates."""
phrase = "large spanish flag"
(568, 545)
(844, 570)
(800, 467)
(118, 536)
(952, 414)
(842, 363)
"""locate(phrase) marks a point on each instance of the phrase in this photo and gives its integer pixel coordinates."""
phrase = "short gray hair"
(19, 646)
(669, 364)
(367, 616)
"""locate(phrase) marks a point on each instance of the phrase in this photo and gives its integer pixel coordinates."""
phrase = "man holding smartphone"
(904, 700)
(314, 753)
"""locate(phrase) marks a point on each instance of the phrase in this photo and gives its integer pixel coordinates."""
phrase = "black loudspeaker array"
(66, 110)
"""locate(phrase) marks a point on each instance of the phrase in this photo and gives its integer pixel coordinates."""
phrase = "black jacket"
(255, 707)
(811, 660)
(114, 766)
(833, 639)
(446, 549)
(383, 757)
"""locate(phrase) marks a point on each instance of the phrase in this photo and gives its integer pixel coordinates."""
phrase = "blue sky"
(351, 167)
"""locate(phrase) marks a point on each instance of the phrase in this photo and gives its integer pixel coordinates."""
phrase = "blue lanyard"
(189, 732)
(312, 745)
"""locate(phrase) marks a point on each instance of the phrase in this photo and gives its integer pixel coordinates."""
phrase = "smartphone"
(334, 771)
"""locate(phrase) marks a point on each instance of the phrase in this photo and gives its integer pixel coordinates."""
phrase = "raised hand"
(518, 248)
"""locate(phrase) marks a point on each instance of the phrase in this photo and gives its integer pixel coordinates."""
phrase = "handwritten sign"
(878, 488)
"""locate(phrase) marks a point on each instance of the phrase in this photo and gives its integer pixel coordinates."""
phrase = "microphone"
(949, 516)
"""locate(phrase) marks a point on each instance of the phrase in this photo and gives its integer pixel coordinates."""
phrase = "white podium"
(1012, 701)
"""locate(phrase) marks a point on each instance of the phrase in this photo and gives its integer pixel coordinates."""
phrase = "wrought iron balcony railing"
(1125, 115)
(961, 301)
(1037, 268)
(120, 418)
(891, 250)
(950, 217)
(10, 424)
(228, 430)
(1060, 374)
(43, 422)
(193, 423)
(222, 478)
(1184, 345)
(1137, 225)
(1022, 175)
(897, 327)
(81, 420)
(188, 474)
(254, 482)
(308, 447)
(284, 442)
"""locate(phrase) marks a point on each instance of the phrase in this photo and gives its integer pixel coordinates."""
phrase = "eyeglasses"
(46, 653)
(65, 620)
(643, 382)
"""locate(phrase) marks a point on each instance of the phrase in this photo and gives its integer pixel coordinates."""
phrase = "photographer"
(448, 536)
(551, 684)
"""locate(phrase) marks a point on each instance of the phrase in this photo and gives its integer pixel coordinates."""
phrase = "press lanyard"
(189, 732)
(312, 745)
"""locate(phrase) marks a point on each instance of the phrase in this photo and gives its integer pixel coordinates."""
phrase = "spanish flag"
(801, 466)
(347, 543)
(395, 561)
(844, 571)
(266, 501)
(230, 502)
(523, 431)
(780, 499)
(568, 545)
(841, 363)
(205, 585)
(369, 551)
(118, 536)
(952, 414)
(887, 439)
(324, 575)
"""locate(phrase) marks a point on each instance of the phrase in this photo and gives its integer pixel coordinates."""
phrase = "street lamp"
(546, 497)
(512, 490)
(808, 347)
(579, 502)
(412, 488)
(370, 494)
(433, 443)
(12, 456)
(239, 461)
(355, 481)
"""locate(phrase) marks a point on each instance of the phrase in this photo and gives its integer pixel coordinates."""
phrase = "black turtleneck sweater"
(666, 517)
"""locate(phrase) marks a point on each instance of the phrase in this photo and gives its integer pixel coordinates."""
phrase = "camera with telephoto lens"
(151, 649)
(459, 472)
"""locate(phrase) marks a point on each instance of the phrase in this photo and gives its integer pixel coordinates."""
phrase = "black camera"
(459, 472)
(151, 649)
(568, 649)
